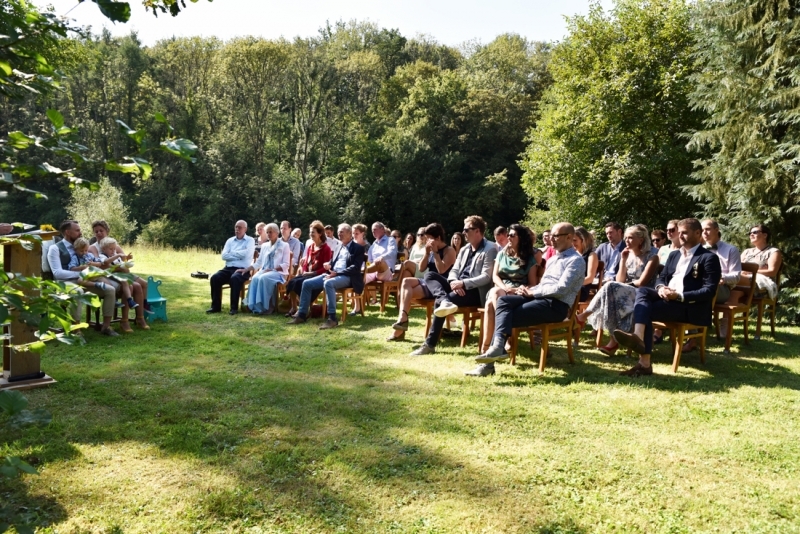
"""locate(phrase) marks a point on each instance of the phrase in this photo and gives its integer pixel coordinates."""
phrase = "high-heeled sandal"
(143, 325)
(126, 328)
(401, 337)
(608, 351)
(401, 325)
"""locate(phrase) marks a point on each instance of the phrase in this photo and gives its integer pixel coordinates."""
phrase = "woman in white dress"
(269, 270)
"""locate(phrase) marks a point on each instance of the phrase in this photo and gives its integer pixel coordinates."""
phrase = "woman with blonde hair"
(457, 241)
(612, 307)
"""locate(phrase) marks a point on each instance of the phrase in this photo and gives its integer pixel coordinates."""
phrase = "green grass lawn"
(243, 424)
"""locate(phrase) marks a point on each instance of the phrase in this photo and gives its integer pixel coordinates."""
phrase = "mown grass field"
(243, 424)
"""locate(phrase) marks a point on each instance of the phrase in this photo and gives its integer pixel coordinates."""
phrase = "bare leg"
(407, 293)
(488, 317)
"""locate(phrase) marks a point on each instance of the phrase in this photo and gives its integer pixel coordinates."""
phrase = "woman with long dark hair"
(514, 268)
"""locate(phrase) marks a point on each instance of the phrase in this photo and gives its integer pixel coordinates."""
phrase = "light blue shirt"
(609, 255)
(384, 249)
(239, 252)
(341, 260)
(563, 277)
(296, 248)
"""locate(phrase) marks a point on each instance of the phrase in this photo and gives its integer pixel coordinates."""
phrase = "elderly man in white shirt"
(382, 255)
(729, 260)
(237, 254)
(59, 256)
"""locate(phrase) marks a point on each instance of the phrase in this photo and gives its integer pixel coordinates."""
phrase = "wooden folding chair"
(549, 332)
(737, 308)
(763, 301)
(427, 304)
(349, 294)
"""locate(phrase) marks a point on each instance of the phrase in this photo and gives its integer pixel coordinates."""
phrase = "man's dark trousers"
(515, 311)
(651, 307)
(227, 275)
(439, 287)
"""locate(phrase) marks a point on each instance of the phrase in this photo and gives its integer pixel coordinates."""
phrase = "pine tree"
(749, 84)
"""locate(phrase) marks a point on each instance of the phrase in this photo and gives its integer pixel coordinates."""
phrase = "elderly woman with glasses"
(612, 307)
(269, 270)
(515, 267)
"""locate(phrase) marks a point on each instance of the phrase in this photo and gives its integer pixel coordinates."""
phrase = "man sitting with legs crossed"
(684, 293)
(467, 283)
(548, 302)
(343, 271)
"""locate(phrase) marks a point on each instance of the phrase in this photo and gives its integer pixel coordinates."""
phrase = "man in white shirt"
(237, 254)
(59, 256)
(684, 292)
(730, 262)
(501, 237)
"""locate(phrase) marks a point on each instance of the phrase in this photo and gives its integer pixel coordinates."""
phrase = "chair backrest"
(573, 311)
(152, 289)
(290, 274)
(749, 289)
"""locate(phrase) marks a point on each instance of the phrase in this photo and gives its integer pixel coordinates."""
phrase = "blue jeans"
(314, 286)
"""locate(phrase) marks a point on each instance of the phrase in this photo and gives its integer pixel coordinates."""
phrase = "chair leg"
(716, 323)
(746, 322)
(345, 298)
(703, 332)
(465, 330)
(760, 318)
(569, 348)
(429, 313)
(599, 340)
(513, 351)
(772, 316)
(384, 297)
(729, 333)
(676, 360)
(544, 349)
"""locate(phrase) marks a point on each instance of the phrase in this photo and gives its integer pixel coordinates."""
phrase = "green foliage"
(15, 416)
(609, 145)
(748, 171)
(105, 203)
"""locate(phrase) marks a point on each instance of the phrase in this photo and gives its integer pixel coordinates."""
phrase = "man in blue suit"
(684, 293)
(344, 270)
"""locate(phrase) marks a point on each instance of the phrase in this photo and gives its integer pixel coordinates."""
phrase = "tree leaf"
(12, 402)
(115, 11)
(56, 118)
(20, 140)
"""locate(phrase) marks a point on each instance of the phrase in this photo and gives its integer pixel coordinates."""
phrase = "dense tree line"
(357, 123)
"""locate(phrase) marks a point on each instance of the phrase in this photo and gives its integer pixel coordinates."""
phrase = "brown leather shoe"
(638, 370)
(297, 320)
(629, 341)
(327, 325)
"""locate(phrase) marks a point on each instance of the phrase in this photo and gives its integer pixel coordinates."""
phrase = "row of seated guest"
(73, 254)
(464, 279)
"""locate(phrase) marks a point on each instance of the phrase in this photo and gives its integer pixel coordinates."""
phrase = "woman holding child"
(138, 288)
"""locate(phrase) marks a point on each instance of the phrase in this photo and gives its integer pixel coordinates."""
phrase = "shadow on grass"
(754, 365)
(22, 508)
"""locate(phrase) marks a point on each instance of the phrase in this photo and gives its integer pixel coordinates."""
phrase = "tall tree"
(749, 84)
(609, 141)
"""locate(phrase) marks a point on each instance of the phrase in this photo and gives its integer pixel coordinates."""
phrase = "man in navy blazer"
(344, 270)
(684, 293)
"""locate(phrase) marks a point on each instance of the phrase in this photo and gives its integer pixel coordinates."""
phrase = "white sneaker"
(445, 308)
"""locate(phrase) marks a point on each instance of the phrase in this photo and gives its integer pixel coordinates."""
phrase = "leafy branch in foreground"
(14, 409)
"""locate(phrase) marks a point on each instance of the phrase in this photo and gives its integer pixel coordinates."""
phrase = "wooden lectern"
(21, 370)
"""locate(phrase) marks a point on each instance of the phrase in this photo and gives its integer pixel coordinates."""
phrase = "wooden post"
(22, 370)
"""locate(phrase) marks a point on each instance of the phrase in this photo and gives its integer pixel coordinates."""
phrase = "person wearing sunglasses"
(547, 302)
(467, 284)
(767, 258)
(658, 237)
(672, 243)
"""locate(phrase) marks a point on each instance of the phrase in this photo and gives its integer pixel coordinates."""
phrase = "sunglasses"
(670, 230)
(557, 235)
(420, 235)
(656, 240)
(512, 234)
(755, 232)
(466, 230)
